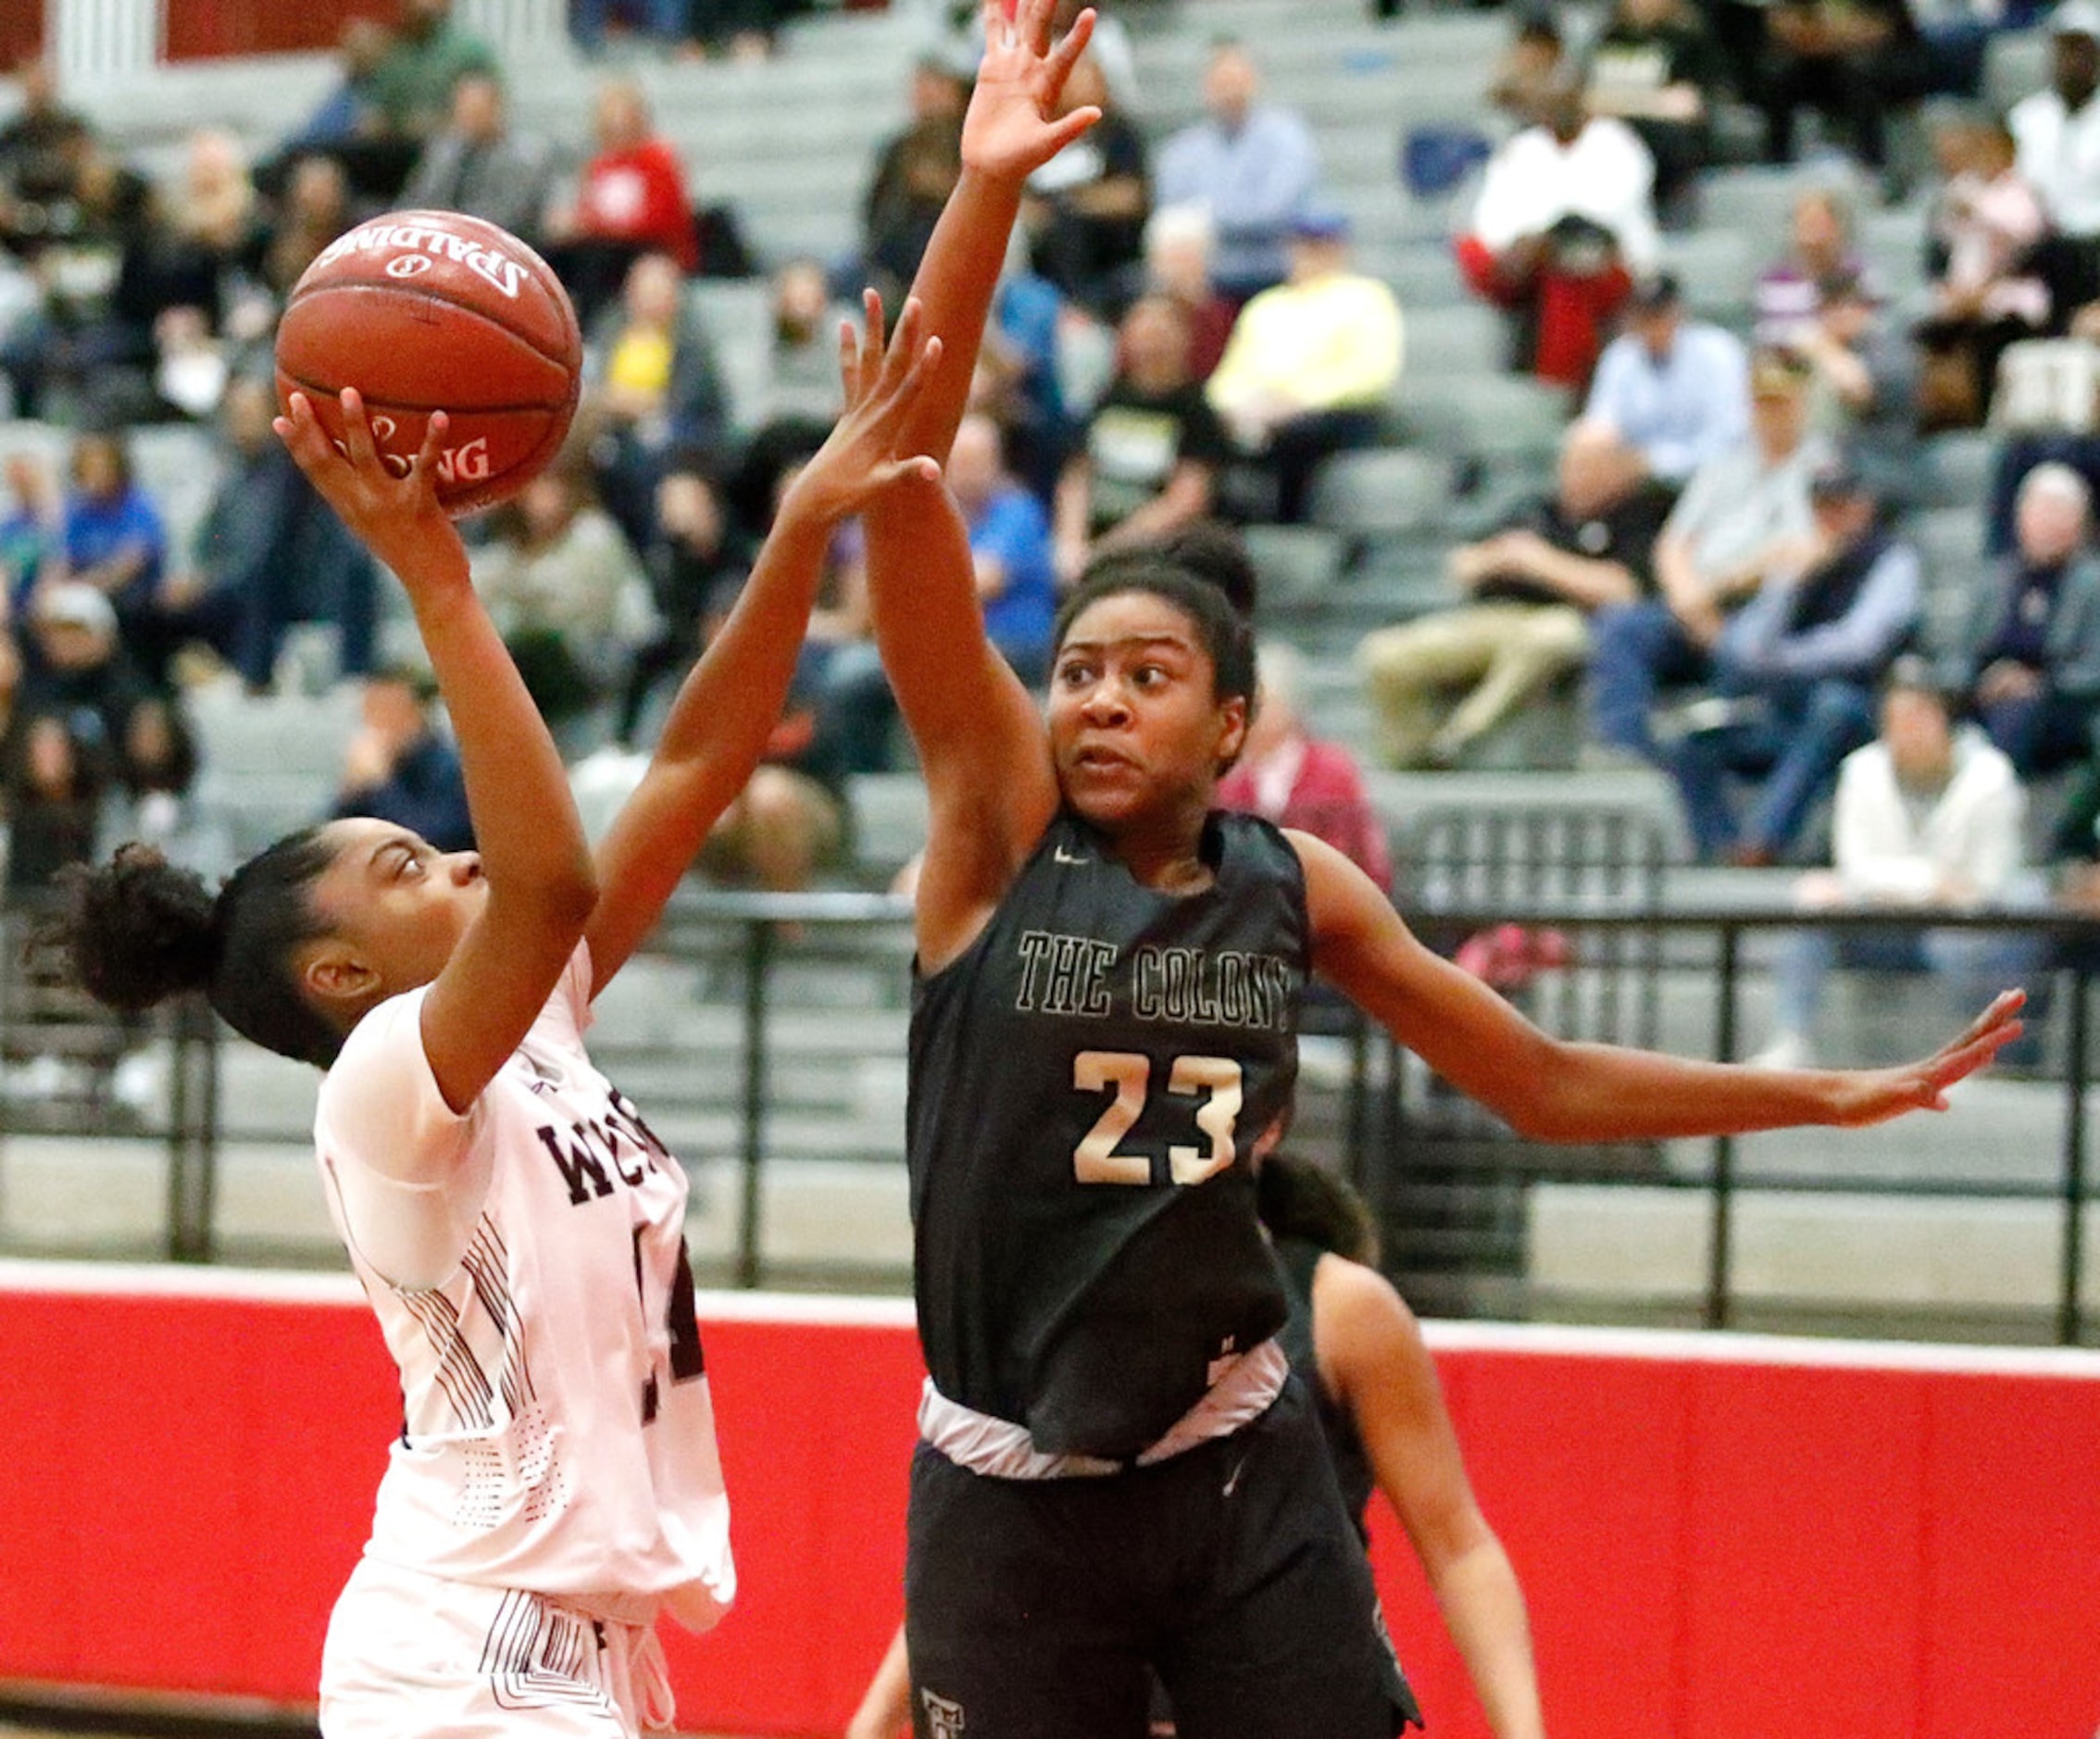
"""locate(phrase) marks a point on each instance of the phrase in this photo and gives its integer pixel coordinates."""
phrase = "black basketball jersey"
(1088, 1081)
(1298, 1257)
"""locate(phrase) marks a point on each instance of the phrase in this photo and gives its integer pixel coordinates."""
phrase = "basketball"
(423, 311)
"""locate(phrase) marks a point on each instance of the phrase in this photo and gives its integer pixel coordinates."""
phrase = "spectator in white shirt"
(2056, 132)
(1676, 390)
(1928, 817)
(1564, 223)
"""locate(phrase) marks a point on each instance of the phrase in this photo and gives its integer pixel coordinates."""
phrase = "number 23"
(1096, 1160)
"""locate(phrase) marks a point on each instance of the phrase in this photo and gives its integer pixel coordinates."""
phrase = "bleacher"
(788, 144)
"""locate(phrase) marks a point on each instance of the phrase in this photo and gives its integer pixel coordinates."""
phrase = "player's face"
(401, 903)
(1136, 727)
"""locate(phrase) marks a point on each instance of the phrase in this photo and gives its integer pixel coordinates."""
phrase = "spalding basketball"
(422, 311)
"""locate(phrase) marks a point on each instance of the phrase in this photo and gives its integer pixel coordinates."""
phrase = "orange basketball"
(424, 311)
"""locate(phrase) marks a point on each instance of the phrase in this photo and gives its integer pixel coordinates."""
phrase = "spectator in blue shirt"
(1677, 391)
(110, 534)
(401, 767)
(1253, 168)
(1796, 673)
(1009, 539)
(29, 532)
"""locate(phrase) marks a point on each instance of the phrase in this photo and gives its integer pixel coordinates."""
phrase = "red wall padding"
(1711, 1549)
(198, 30)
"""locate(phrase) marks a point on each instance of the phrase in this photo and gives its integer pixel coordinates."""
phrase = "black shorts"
(1039, 1608)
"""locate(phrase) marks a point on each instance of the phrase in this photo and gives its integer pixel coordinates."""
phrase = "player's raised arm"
(533, 858)
(1553, 1090)
(989, 782)
(725, 709)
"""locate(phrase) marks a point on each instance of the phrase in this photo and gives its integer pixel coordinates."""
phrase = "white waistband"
(1243, 1391)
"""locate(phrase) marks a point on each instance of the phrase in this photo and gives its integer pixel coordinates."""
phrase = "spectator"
(1311, 364)
(566, 593)
(802, 373)
(2056, 146)
(1986, 220)
(1178, 243)
(1085, 211)
(1009, 541)
(268, 553)
(1927, 817)
(1798, 665)
(664, 22)
(915, 171)
(1252, 166)
(632, 200)
(2027, 660)
(51, 790)
(1740, 514)
(314, 209)
(1149, 459)
(697, 563)
(476, 163)
(412, 87)
(401, 767)
(1442, 682)
(39, 153)
(75, 669)
(1853, 61)
(1863, 378)
(1299, 781)
(1789, 295)
(156, 765)
(651, 385)
(111, 535)
(1564, 222)
(29, 531)
(1022, 368)
(1656, 68)
(352, 126)
(1677, 391)
(1534, 62)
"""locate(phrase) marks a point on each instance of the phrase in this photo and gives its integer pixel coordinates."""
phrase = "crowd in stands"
(1724, 564)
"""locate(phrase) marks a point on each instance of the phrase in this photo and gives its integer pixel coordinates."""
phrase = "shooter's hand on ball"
(389, 505)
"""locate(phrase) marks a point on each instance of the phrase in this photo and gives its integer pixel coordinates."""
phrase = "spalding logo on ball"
(424, 311)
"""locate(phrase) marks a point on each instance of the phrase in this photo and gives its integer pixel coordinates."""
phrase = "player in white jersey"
(518, 1229)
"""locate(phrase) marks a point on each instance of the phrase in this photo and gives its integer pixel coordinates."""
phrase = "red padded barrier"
(1719, 1537)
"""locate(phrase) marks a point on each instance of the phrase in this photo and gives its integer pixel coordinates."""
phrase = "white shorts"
(417, 1656)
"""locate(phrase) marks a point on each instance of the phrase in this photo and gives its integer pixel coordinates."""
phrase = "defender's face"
(1135, 724)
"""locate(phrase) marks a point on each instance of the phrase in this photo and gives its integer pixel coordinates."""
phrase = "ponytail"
(138, 929)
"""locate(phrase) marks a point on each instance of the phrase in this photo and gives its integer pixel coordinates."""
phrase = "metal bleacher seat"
(1382, 492)
(1449, 1179)
(267, 764)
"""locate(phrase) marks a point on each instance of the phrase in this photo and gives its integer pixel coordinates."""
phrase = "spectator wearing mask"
(2025, 663)
(1676, 390)
(1798, 667)
(1929, 817)
(1252, 164)
(1563, 224)
(1442, 682)
(1311, 364)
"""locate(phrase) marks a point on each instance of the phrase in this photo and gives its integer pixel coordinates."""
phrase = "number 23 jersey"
(1089, 1080)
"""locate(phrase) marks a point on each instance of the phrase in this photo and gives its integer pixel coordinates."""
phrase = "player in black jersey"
(1115, 1473)
(1357, 1347)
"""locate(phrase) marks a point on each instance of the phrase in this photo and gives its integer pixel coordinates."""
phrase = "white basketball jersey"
(557, 1434)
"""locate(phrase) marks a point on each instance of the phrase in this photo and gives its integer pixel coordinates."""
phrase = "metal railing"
(1381, 1119)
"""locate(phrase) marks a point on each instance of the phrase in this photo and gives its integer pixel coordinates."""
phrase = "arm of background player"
(1372, 1359)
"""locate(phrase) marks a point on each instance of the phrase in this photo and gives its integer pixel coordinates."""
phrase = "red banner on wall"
(204, 30)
